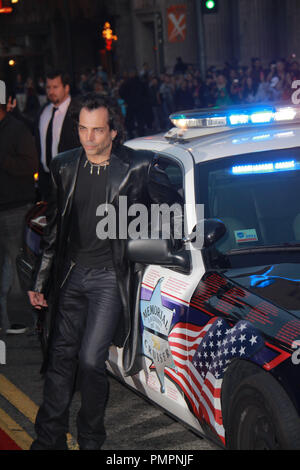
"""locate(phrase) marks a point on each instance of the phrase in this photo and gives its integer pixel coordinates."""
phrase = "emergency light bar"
(270, 167)
(234, 117)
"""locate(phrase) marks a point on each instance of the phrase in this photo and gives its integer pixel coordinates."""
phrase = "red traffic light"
(5, 9)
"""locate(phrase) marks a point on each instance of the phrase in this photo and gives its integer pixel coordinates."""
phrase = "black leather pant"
(88, 314)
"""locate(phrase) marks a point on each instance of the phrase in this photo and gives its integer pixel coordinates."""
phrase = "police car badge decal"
(157, 321)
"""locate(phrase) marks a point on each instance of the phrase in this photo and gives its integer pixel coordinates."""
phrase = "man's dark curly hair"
(93, 101)
(65, 77)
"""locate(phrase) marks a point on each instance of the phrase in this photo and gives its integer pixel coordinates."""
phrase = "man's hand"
(11, 104)
(37, 300)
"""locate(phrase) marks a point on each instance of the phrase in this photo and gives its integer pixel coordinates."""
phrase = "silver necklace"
(96, 165)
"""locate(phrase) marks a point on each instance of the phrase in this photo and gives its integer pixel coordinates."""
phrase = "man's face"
(94, 133)
(56, 91)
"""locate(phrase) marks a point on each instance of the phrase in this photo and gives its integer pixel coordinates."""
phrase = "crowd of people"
(146, 99)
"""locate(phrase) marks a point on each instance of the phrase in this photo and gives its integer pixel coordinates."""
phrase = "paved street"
(132, 423)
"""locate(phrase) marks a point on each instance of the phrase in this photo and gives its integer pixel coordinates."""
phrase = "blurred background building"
(41, 34)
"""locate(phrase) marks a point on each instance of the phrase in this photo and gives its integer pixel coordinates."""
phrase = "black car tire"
(262, 416)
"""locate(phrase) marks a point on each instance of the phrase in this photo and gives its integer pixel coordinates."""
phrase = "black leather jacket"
(18, 163)
(131, 173)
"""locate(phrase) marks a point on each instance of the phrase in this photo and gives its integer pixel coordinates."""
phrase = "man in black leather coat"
(91, 277)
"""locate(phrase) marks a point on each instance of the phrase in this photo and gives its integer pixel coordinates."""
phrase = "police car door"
(164, 305)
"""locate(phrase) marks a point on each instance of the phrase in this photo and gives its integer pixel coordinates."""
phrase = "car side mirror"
(214, 230)
(160, 252)
(209, 231)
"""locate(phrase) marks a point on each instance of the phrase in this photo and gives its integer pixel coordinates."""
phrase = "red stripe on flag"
(193, 388)
(189, 339)
(6, 443)
(190, 327)
(172, 375)
(217, 414)
(216, 392)
(180, 356)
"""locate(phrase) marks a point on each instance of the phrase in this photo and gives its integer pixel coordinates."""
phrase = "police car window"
(173, 172)
(256, 196)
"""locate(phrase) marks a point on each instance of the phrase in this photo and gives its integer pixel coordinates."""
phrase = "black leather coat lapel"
(69, 177)
(116, 177)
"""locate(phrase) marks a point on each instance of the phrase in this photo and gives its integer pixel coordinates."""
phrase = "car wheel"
(262, 416)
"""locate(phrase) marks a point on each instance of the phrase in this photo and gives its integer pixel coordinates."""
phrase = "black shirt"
(85, 247)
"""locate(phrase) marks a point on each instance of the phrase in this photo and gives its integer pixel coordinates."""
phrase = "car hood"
(279, 283)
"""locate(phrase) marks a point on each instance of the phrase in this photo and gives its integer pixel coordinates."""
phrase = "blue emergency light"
(267, 167)
(234, 117)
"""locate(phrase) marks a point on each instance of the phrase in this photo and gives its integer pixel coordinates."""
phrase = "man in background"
(56, 130)
(18, 163)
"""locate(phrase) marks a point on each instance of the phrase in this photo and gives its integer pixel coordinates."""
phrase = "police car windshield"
(256, 196)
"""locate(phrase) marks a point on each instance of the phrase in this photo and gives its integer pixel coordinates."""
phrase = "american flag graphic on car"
(201, 355)
(193, 349)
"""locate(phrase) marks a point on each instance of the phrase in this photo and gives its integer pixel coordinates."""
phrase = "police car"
(219, 323)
